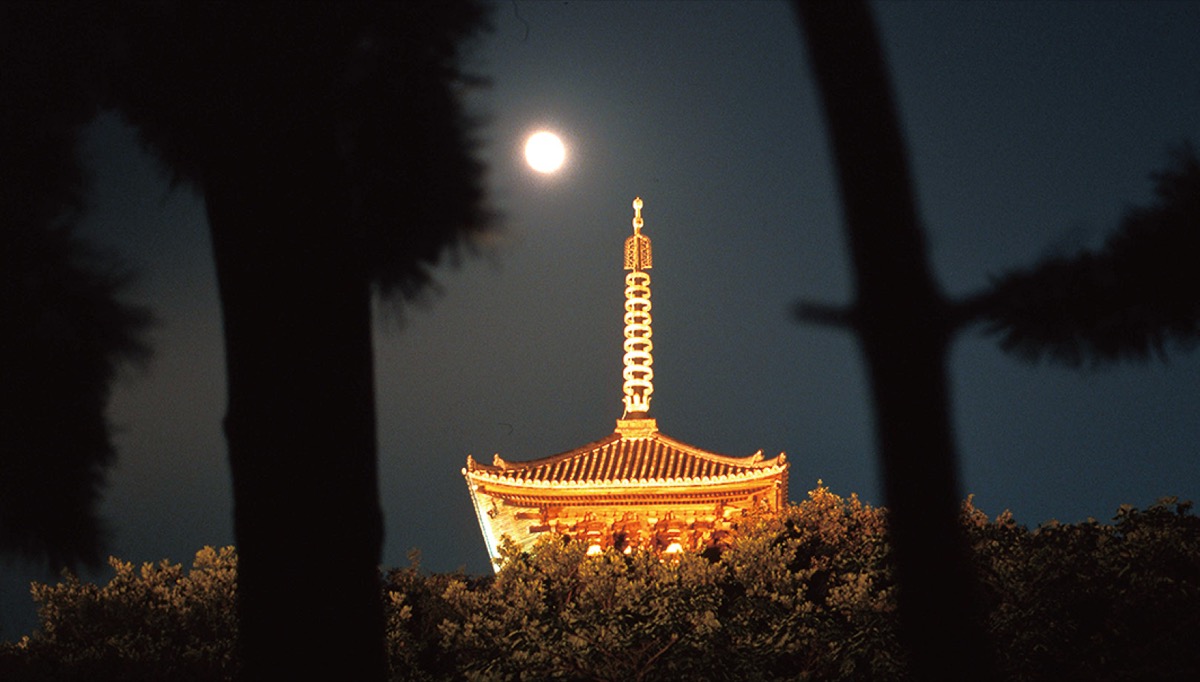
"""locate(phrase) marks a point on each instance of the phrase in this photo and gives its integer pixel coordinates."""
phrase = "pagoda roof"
(635, 455)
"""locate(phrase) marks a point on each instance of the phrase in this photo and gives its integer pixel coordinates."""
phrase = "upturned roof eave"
(753, 461)
(593, 486)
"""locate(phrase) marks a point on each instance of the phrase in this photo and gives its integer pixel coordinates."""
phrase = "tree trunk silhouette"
(301, 420)
(335, 158)
(904, 328)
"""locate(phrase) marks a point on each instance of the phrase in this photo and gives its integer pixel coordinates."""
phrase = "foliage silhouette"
(806, 593)
(67, 329)
(153, 622)
(1128, 301)
(334, 158)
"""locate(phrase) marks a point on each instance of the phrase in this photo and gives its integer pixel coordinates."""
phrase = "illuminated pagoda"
(636, 487)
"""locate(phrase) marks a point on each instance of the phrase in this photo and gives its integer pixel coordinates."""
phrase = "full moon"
(544, 152)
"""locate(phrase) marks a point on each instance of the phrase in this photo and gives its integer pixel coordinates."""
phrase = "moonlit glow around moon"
(544, 152)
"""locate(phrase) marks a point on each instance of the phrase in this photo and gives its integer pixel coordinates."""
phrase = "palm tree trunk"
(904, 329)
(300, 424)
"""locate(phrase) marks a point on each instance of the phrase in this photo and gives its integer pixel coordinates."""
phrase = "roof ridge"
(617, 458)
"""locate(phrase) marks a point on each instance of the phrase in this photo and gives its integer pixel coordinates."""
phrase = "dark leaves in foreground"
(380, 81)
(1133, 299)
(64, 336)
(65, 327)
(808, 593)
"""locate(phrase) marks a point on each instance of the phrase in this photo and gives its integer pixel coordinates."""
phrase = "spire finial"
(637, 247)
(638, 374)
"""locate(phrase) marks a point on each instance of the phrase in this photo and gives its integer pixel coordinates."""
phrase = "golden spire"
(638, 373)
(637, 247)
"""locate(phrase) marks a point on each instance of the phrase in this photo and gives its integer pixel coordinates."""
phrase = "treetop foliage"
(150, 622)
(807, 593)
(1132, 299)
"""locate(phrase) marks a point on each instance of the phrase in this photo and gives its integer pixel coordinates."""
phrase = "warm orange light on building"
(636, 488)
(638, 373)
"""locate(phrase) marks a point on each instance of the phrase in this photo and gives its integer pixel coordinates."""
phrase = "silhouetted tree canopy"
(806, 593)
(1133, 299)
(335, 158)
(64, 337)
(66, 328)
(1141, 292)
(206, 84)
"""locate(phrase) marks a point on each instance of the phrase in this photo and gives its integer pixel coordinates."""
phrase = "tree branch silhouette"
(1132, 300)
(1129, 301)
(904, 327)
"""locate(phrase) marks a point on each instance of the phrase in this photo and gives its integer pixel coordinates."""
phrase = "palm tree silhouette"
(1131, 300)
(66, 329)
(330, 146)
(1128, 301)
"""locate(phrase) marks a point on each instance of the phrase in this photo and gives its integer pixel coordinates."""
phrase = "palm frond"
(1135, 298)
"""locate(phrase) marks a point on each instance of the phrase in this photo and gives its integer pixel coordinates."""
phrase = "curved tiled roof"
(628, 457)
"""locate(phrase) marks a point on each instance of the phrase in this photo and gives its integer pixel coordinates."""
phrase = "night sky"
(1031, 128)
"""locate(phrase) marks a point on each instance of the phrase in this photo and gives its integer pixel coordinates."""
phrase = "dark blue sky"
(1031, 127)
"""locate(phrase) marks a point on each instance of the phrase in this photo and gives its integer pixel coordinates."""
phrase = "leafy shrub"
(1093, 601)
(807, 593)
(155, 622)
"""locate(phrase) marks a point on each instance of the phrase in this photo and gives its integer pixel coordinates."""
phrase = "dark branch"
(1131, 300)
